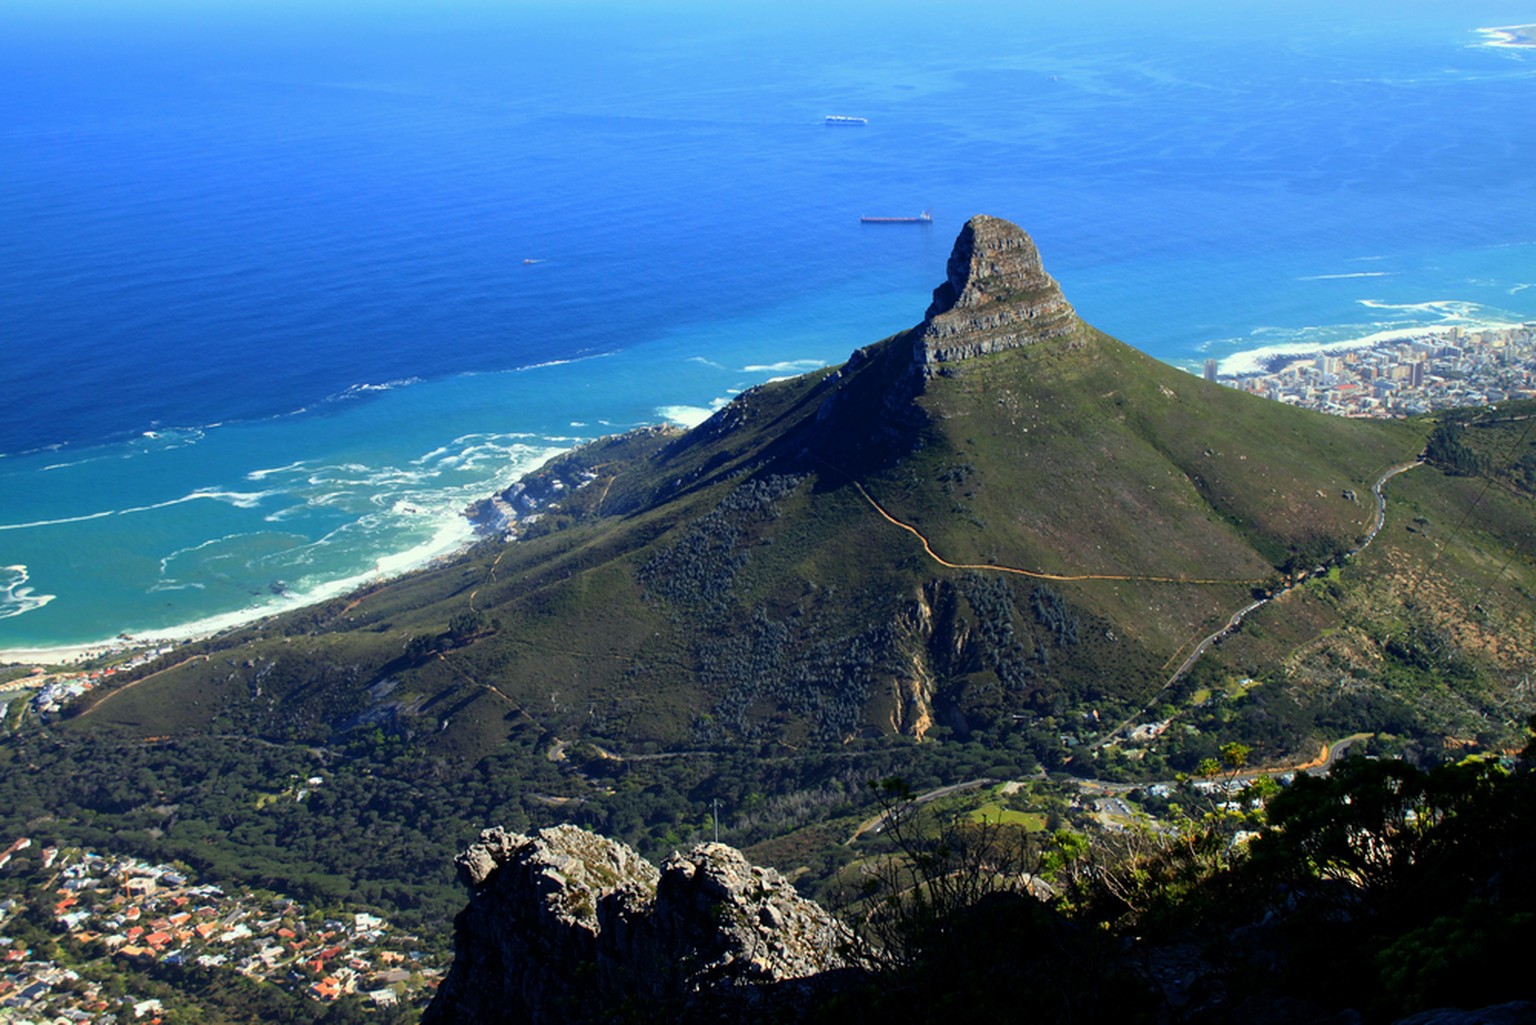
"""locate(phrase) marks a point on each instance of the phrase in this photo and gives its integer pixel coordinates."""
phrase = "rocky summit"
(996, 295)
(567, 926)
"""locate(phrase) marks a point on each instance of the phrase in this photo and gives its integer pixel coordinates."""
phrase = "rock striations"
(568, 926)
(996, 295)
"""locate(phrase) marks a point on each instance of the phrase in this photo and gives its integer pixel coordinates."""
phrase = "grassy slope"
(1073, 456)
(1101, 460)
(1430, 629)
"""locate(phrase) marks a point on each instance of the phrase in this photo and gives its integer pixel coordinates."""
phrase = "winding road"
(1234, 621)
(1318, 766)
(1378, 520)
(878, 822)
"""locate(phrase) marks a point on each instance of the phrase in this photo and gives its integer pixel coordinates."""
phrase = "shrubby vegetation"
(1382, 888)
(773, 664)
(383, 825)
(1416, 874)
(696, 574)
(765, 665)
(739, 643)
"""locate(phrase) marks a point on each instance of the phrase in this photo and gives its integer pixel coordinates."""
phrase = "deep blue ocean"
(268, 320)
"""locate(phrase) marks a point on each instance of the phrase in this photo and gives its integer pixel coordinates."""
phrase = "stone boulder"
(529, 938)
(568, 926)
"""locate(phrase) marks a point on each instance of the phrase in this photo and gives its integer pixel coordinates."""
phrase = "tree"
(1447, 450)
(938, 867)
(467, 624)
(966, 939)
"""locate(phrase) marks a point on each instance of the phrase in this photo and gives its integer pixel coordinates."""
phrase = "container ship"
(923, 218)
(844, 119)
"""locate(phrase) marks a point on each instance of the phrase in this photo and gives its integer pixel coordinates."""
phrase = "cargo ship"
(923, 218)
(844, 119)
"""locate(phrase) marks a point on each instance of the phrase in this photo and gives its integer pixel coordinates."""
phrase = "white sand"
(65, 655)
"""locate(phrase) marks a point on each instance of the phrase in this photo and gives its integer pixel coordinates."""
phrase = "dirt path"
(1378, 520)
(1034, 574)
(114, 692)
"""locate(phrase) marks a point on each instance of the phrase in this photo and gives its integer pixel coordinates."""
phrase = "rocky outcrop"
(996, 296)
(568, 926)
(564, 482)
(530, 932)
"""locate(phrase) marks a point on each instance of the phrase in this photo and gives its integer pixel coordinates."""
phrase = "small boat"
(530, 262)
(923, 218)
(844, 119)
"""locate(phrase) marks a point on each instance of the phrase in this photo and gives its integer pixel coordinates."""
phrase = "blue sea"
(285, 285)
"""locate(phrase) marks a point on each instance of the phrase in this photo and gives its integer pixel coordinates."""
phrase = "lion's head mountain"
(1000, 522)
(1000, 558)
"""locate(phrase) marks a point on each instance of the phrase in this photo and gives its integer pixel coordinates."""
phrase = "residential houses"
(122, 909)
(1399, 376)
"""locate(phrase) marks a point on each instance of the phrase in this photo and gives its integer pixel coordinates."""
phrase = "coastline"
(68, 655)
(456, 535)
(1401, 376)
(449, 542)
(1260, 360)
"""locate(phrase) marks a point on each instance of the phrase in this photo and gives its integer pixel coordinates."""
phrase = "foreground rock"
(568, 926)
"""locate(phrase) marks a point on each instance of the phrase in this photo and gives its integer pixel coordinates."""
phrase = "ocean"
(284, 286)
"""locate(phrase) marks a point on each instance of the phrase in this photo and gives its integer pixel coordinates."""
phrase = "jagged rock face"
(531, 929)
(568, 926)
(740, 924)
(996, 296)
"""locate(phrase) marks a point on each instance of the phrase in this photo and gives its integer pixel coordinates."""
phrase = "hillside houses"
(126, 911)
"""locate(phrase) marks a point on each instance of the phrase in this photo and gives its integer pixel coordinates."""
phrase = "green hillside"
(997, 543)
(1089, 515)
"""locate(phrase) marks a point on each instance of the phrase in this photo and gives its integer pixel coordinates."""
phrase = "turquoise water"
(268, 327)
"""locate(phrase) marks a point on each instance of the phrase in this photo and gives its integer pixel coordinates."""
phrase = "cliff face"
(996, 295)
(568, 926)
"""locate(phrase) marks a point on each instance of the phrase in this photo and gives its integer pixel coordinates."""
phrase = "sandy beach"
(65, 655)
(447, 545)
(1260, 360)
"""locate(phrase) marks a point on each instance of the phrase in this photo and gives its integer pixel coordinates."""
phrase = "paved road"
(1333, 753)
(1381, 499)
(1113, 791)
(878, 822)
(1232, 623)
(1318, 766)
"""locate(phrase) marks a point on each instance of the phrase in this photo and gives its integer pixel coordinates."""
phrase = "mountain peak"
(996, 295)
